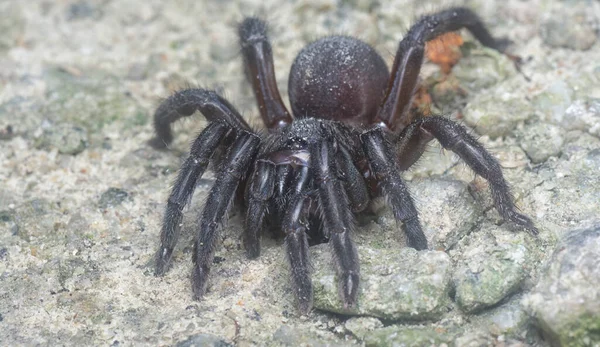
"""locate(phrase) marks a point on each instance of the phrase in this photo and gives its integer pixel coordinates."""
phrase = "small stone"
(34, 218)
(137, 72)
(83, 10)
(398, 335)
(65, 137)
(568, 31)
(507, 319)
(113, 197)
(395, 283)
(490, 270)
(482, 67)
(203, 340)
(541, 141)
(566, 301)
(567, 197)
(583, 115)
(552, 103)
(361, 326)
(487, 117)
(448, 210)
(474, 339)
(289, 336)
(25, 116)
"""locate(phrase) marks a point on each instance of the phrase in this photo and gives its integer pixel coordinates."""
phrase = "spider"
(308, 176)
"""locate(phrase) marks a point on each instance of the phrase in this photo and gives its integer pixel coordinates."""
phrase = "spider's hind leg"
(233, 169)
(455, 137)
(393, 112)
(260, 71)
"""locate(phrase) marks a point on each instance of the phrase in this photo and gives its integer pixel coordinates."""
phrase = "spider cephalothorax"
(308, 177)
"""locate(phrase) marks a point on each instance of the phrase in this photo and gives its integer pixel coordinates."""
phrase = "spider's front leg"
(224, 123)
(383, 166)
(295, 225)
(260, 190)
(239, 156)
(455, 137)
(338, 220)
(183, 188)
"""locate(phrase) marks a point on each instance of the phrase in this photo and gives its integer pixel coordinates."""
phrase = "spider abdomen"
(337, 78)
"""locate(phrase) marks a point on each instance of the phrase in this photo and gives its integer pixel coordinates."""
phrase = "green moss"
(582, 331)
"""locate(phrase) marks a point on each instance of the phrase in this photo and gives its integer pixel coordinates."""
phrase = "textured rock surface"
(491, 268)
(395, 283)
(566, 301)
(82, 194)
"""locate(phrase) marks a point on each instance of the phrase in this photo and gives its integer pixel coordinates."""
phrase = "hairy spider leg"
(354, 182)
(393, 111)
(295, 226)
(191, 170)
(184, 103)
(260, 72)
(283, 174)
(455, 137)
(382, 164)
(338, 220)
(260, 190)
(234, 167)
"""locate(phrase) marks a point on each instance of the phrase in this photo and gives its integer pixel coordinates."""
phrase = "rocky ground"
(82, 194)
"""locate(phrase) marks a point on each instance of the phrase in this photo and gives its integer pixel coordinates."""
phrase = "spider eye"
(298, 143)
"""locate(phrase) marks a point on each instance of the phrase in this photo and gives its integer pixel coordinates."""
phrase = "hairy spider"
(307, 177)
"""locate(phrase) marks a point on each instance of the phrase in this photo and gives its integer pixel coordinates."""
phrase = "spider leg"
(383, 166)
(191, 170)
(453, 136)
(184, 103)
(354, 182)
(295, 226)
(258, 63)
(234, 167)
(393, 112)
(278, 203)
(260, 191)
(338, 220)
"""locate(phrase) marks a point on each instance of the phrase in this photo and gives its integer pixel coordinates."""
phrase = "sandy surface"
(82, 194)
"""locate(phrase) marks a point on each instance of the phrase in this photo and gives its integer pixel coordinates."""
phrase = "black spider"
(307, 178)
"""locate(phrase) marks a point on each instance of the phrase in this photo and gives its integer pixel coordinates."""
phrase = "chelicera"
(351, 135)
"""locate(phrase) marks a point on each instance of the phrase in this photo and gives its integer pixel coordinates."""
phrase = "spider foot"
(414, 234)
(522, 221)
(162, 260)
(199, 281)
(348, 286)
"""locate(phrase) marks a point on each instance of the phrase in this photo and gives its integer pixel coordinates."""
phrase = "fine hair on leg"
(383, 167)
(393, 112)
(183, 188)
(187, 101)
(338, 220)
(219, 198)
